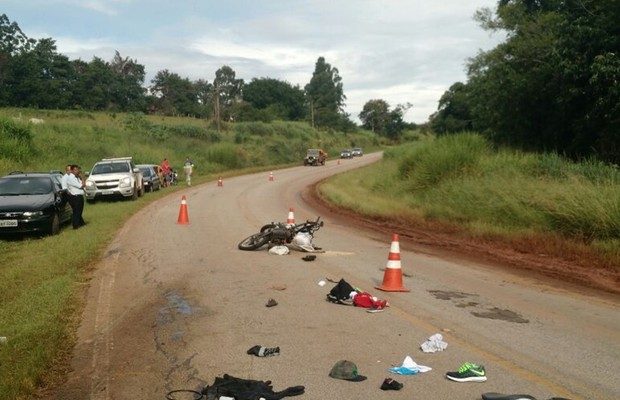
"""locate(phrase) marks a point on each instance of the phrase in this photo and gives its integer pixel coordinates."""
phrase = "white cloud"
(396, 50)
(108, 7)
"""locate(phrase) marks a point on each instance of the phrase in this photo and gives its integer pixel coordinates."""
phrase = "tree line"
(553, 85)
(34, 74)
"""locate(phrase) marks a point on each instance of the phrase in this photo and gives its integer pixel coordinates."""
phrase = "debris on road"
(468, 372)
(366, 300)
(434, 343)
(391, 384)
(409, 367)
(341, 293)
(279, 250)
(347, 371)
(309, 258)
(271, 303)
(344, 293)
(247, 389)
(262, 351)
(278, 287)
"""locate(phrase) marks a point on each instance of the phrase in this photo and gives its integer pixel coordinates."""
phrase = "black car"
(33, 202)
(150, 179)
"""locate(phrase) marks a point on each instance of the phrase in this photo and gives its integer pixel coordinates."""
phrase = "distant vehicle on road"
(33, 202)
(315, 157)
(357, 152)
(114, 177)
(150, 179)
(346, 153)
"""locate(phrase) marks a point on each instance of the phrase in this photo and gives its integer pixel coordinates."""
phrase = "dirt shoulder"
(533, 257)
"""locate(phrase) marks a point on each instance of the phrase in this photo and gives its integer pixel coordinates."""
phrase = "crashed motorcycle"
(280, 233)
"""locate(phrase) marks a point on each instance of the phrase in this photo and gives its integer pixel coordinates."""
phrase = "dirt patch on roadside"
(543, 257)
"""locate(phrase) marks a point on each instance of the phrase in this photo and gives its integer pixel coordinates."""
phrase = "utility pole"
(217, 106)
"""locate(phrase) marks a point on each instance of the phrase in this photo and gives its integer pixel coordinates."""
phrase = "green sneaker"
(468, 372)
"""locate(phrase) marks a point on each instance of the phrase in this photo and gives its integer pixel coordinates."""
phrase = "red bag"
(366, 300)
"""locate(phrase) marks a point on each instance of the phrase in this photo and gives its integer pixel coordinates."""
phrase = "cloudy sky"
(396, 50)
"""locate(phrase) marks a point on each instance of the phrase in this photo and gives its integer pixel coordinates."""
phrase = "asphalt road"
(173, 306)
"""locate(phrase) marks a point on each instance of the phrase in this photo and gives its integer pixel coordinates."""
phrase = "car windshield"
(357, 149)
(25, 186)
(146, 171)
(313, 152)
(110, 168)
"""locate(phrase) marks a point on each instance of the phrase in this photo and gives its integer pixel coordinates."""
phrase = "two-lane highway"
(174, 306)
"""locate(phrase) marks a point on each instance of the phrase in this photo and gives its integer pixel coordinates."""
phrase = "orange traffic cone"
(183, 217)
(393, 276)
(291, 217)
(220, 182)
(271, 176)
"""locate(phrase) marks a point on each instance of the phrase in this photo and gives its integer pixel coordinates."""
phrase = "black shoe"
(309, 258)
(391, 384)
(261, 351)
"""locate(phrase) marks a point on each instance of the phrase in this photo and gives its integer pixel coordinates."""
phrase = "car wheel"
(54, 225)
(134, 195)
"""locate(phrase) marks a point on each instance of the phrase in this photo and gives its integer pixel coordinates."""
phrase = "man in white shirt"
(63, 181)
(75, 192)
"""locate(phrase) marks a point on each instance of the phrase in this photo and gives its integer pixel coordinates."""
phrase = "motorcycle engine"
(281, 235)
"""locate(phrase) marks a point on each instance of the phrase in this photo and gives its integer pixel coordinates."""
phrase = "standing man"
(63, 181)
(166, 170)
(188, 168)
(75, 190)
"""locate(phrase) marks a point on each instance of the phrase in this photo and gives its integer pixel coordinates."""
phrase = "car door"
(62, 197)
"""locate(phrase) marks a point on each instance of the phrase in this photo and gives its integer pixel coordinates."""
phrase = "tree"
(375, 115)
(396, 122)
(453, 112)
(324, 95)
(278, 98)
(553, 85)
(204, 95)
(227, 89)
(174, 95)
(127, 90)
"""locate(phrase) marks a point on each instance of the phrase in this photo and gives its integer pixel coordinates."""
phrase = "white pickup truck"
(114, 177)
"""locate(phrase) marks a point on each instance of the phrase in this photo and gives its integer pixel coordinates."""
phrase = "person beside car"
(75, 192)
(63, 180)
(166, 170)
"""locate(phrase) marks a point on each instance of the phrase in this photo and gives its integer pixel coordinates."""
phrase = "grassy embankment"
(528, 200)
(42, 279)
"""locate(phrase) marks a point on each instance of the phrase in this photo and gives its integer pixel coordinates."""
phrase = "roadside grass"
(42, 279)
(502, 194)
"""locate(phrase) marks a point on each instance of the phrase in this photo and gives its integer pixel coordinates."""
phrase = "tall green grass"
(462, 180)
(40, 281)
(84, 138)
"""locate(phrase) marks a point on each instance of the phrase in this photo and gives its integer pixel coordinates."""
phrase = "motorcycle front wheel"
(254, 242)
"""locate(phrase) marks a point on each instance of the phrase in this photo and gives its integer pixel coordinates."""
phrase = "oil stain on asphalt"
(490, 312)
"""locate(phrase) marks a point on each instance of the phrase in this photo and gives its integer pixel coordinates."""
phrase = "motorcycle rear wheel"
(254, 241)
